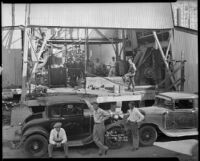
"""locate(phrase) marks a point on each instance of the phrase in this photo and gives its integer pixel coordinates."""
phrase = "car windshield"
(161, 102)
(184, 104)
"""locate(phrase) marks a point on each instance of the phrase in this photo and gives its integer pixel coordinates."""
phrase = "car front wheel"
(148, 135)
(112, 137)
(36, 145)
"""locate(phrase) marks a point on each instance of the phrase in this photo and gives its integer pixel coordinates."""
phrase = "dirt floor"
(164, 147)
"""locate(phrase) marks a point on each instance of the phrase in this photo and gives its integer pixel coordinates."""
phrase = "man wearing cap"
(99, 128)
(57, 138)
(134, 116)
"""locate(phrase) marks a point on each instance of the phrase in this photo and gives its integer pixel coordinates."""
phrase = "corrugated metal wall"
(187, 42)
(11, 59)
(109, 15)
(7, 14)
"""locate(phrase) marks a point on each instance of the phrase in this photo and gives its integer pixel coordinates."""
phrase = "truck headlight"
(166, 112)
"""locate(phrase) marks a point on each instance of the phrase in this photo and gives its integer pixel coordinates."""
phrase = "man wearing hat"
(99, 128)
(134, 116)
(57, 138)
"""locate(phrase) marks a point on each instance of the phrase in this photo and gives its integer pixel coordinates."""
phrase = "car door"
(88, 120)
(183, 114)
(168, 115)
(73, 120)
(196, 113)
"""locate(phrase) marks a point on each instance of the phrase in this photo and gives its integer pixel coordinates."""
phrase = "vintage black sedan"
(71, 110)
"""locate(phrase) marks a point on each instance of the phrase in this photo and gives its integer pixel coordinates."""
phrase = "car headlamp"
(116, 117)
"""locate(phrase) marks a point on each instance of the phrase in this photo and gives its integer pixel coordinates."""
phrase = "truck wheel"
(111, 137)
(36, 145)
(148, 135)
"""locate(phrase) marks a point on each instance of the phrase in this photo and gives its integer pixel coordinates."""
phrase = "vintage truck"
(173, 114)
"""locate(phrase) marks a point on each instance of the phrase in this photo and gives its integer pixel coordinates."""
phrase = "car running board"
(75, 143)
(81, 142)
(181, 132)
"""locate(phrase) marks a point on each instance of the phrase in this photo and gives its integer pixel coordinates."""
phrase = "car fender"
(118, 123)
(156, 126)
(35, 130)
(88, 140)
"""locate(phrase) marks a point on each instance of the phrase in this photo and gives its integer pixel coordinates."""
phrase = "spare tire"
(113, 142)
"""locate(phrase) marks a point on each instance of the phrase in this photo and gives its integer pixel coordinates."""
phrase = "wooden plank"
(171, 75)
(144, 36)
(117, 51)
(168, 47)
(33, 50)
(175, 83)
(40, 53)
(86, 55)
(25, 57)
(123, 45)
(104, 36)
(6, 35)
(164, 58)
(182, 73)
(25, 65)
(137, 97)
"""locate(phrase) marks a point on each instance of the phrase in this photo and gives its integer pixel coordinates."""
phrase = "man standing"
(98, 67)
(72, 65)
(130, 74)
(57, 138)
(112, 65)
(133, 118)
(99, 128)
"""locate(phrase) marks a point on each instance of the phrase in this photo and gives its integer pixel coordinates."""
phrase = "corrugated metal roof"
(116, 15)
